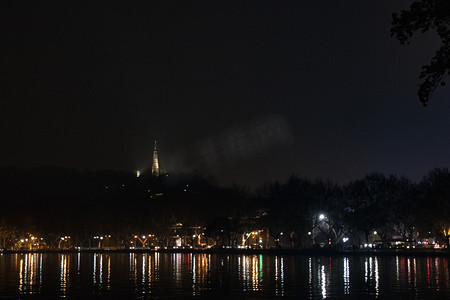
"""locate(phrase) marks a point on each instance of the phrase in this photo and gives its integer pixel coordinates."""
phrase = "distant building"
(155, 164)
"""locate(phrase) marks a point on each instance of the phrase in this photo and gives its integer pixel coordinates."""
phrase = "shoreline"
(307, 251)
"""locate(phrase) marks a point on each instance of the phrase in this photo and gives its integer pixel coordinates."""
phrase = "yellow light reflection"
(415, 275)
(178, 266)
(108, 281)
(436, 264)
(21, 275)
(149, 273)
(200, 270)
(30, 266)
(256, 272)
(135, 274)
(64, 273)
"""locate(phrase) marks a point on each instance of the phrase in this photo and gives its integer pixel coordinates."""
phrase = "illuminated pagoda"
(155, 164)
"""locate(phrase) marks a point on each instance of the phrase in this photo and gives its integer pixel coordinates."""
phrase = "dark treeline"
(55, 202)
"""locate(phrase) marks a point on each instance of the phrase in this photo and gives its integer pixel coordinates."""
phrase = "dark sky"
(245, 91)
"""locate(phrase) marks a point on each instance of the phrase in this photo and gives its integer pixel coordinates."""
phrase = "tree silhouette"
(373, 202)
(424, 16)
(435, 191)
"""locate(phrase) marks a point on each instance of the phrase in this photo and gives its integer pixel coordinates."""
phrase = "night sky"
(244, 91)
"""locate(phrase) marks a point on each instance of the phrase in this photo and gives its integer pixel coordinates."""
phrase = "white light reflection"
(26, 270)
(282, 275)
(245, 272)
(408, 269)
(133, 269)
(377, 278)
(346, 276)
(78, 263)
(276, 276)
(367, 269)
(193, 274)
(157, 261)
(279, 276)
(131, 263)
(178, 266)
(323, 282)
(143, 271)
(239, 267)
(397, 268)
(40, 272)
(310, 276)
(101, 271)
(94, 273)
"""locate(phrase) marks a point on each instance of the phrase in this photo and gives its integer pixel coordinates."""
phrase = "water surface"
(182, 275)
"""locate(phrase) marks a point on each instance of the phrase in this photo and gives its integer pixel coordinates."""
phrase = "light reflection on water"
(346, 276)
(30, 274)
(192, 275)
(64, 273)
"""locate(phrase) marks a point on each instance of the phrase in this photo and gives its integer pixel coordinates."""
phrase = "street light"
(321, 217)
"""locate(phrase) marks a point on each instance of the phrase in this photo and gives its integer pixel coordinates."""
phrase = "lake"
(186, 275)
